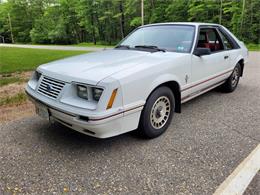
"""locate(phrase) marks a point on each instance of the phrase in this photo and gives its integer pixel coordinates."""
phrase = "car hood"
(94, 67)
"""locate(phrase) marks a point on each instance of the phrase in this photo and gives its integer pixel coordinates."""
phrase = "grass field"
(16, 99)
(253, 47)
(21, 59)
(84, 44)
(9, 80)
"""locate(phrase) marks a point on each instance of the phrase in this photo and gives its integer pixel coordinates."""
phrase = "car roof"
(182, 23)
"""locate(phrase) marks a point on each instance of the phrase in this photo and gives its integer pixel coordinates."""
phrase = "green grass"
(17, 99)
(253, 47)
(84, 44)
(9, 80)
(21, 59)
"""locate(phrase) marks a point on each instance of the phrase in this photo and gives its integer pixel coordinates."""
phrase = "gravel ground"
(254, 186)
(203, 145)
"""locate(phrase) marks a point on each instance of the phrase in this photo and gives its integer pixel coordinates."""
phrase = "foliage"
(108, 21)
(20, 59)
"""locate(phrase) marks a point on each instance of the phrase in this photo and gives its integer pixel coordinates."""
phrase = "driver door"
(209, 70)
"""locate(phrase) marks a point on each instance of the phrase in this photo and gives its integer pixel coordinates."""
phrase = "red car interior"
(205, 43)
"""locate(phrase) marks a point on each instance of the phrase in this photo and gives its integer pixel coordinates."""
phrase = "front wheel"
(157, 113)
(231, 83)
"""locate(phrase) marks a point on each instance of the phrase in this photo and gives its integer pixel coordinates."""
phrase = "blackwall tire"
(231, 83)
(157, 113)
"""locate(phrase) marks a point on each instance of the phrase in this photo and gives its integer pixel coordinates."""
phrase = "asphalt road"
(203, 145)
(254, 186)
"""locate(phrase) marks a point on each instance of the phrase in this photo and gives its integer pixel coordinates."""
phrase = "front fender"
(160, 80)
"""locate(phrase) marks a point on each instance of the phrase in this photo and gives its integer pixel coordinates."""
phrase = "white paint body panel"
(135, 74)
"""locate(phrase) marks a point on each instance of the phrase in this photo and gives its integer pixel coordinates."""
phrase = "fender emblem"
(186, 78)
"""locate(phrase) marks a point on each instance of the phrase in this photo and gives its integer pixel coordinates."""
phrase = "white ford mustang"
(141, 82)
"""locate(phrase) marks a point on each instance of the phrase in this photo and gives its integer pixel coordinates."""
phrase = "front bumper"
(100, 125)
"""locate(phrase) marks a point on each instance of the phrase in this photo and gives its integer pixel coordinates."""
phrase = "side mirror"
(200, 51)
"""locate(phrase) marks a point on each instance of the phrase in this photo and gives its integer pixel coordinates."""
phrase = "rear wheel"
(157, 113)
(231, 83)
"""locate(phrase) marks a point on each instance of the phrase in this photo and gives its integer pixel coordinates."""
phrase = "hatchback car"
(141, 82)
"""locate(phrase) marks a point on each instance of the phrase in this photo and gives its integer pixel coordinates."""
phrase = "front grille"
(50, 87)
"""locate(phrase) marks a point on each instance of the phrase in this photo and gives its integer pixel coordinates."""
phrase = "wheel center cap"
(159, 112)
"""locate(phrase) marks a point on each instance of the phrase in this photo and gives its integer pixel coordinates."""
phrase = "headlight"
(37, 75)
(34, 80)
(82, 91)
(89, 93)
(97, 92)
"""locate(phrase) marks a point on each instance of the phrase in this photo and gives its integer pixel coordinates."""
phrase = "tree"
(108, 21)
(204, 11)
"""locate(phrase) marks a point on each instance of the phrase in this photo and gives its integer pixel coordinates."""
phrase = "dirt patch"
(22, 75)
(11, 89)
(15, 112)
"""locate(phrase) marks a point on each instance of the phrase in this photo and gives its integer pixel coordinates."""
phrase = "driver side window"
(209, 38)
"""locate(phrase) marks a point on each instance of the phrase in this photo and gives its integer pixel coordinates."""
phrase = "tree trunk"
(93, 29)
(220, 12)
(122, 20)
(11, 28)
(242, 16)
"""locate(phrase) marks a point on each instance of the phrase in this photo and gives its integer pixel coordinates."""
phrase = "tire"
(157, 113)
(231, 83)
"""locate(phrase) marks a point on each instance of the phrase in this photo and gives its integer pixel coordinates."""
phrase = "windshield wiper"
(152, 47)
(123, 46)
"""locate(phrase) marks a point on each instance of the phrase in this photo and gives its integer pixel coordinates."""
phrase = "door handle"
(225, 57)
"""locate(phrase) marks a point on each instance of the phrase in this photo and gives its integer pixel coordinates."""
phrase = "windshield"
(177, 38)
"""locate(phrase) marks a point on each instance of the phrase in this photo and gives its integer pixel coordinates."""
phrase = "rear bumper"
(100, 126)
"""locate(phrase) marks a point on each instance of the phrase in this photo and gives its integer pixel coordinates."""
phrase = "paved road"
(254, 186)
(54, 47)
(203, 145)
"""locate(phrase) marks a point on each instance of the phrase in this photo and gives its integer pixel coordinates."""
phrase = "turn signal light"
(112, 98)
